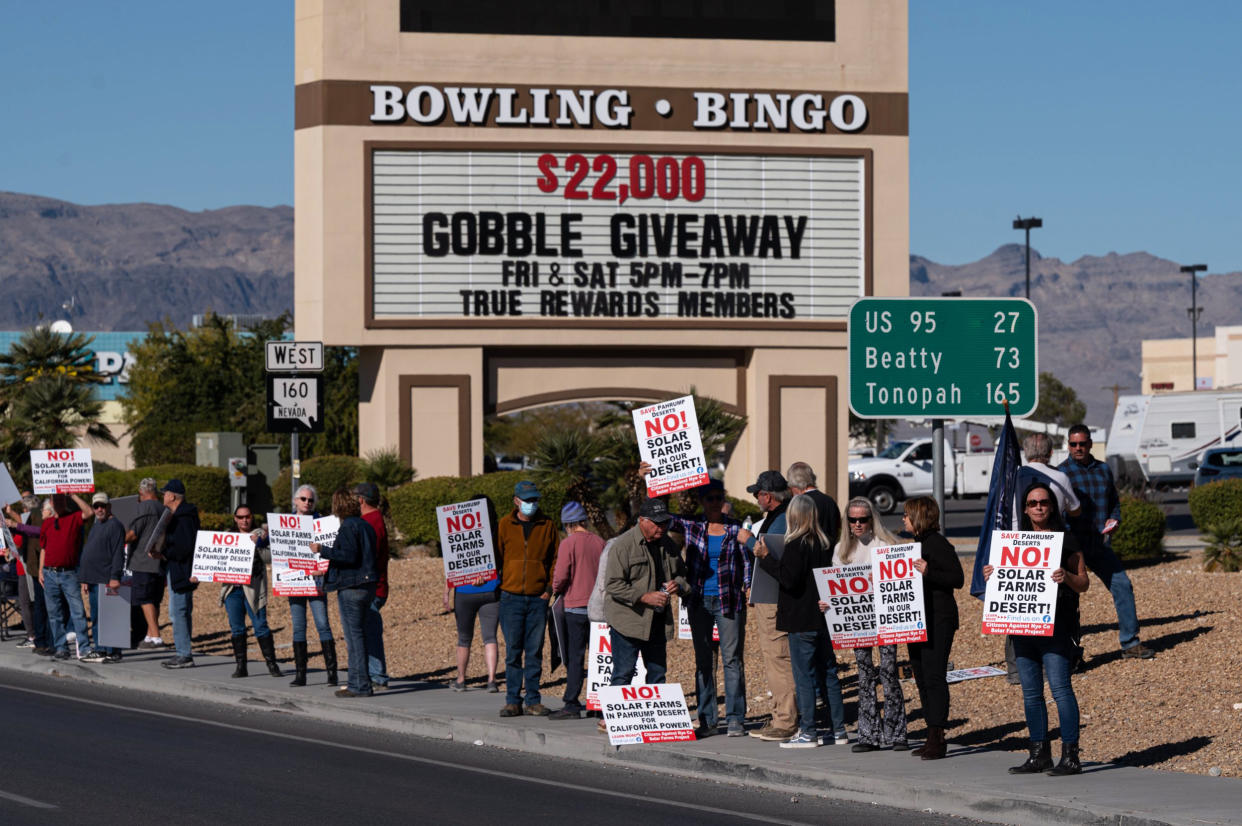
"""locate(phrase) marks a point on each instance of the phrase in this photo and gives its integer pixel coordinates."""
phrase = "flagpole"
(938, 470)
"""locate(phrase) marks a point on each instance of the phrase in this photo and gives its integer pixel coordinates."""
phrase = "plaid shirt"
(733, 568)
(1093, 484)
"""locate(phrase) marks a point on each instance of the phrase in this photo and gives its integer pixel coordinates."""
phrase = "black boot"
(1070, 764)
(269, 655)
(1039, 760)
(299, 664)
(239, 654)
(935, 748)
(329, 660)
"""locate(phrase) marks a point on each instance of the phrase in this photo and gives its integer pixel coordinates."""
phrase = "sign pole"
(938, 467)
(295, 464)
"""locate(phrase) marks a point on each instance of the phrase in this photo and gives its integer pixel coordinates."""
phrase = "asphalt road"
(87, 753)
(965, 516)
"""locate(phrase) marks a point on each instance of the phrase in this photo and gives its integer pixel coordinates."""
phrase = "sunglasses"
(245, 516)
(1079, 444)
(306, 499)
(1039, 503)
(858, 520)
(713, 498)
(98, 505)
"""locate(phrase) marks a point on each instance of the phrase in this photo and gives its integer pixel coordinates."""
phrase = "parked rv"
(1158, 439)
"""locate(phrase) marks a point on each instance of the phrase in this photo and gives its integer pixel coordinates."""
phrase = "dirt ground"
(1175, 712)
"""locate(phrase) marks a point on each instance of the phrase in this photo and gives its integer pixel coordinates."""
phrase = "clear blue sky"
(1116, 121)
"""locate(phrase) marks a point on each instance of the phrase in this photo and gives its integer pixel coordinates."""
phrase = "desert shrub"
(1141, 533)
(385, 468)
(216, 521)
(325, 473)
(413, 506)
(1216, 502)
(1224, 547)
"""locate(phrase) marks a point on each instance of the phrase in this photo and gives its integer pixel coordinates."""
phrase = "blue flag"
(998, 515)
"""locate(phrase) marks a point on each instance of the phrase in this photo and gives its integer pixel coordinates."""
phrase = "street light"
(1028, 224)
(1194, 311)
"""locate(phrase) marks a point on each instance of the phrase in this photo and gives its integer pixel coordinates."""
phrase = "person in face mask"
(525, 554)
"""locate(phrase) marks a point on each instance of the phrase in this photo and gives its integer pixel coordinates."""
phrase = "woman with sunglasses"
(942, 575)
(1051, 656)
(866, 532)
(304, 505)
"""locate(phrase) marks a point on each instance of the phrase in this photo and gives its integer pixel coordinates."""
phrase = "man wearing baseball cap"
(577, 563)
(372, 622)
(179, 551)
(772, 493)
(102, 564)
(526, 540)
(644, 571)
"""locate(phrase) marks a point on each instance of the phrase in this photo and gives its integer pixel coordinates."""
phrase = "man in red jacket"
(372, 623)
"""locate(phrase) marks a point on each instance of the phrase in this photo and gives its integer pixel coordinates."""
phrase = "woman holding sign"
(867, 532)
(304, 505)
(798, 614)
(1054, 656)
(942, 575)
(352, 573)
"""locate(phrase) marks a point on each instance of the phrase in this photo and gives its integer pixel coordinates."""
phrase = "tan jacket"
(526, 564)
(630, 574)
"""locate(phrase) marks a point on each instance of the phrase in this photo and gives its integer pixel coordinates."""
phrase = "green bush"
(1216, 502)
(206, 487)
(1224, 548)
(325, 473)
(1141, 533)
(413, 506)
(385, 468)
(216, 521)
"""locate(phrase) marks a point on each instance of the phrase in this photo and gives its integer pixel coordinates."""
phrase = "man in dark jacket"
(801, 479)
(179, 552)
(102, 564)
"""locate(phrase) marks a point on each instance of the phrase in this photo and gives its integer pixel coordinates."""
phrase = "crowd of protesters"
(709, 561)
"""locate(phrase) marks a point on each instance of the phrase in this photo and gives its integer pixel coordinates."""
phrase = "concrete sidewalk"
(972, 782)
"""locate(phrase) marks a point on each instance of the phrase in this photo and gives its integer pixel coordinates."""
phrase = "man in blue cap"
(526, 549)
(577, 563)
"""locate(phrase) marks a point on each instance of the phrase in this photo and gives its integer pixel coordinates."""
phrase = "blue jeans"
(732, 643)
(809, 657)
(373, 628)
(93, 591)
(522, 619)
(319, 612)
(625, 651)
(1047, 656)
(1105, 564)
(181, 612)
(236, 607)
(61, 588)
(354, 604)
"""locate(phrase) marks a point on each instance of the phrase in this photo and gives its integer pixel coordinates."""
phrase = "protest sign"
(8, 490)
(973, 673)
(114, 610)
(223, 556)
(290, 535)
(851, 604)
(899, 613)
(645, 713)
(764, 588)
(466, 542)
(287, 582)
(1021, 597)
(669, 441)
(683, 624)
(599, 664)
(62, 471)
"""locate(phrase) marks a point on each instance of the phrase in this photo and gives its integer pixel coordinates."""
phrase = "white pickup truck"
(904, 470)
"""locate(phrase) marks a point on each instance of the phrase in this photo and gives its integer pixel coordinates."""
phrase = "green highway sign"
(942, 358)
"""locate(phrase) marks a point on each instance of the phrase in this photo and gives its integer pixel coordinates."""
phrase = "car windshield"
(894, 450)
(1225, 458)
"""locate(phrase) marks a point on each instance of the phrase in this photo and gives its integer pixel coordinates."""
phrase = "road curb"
(971, 784)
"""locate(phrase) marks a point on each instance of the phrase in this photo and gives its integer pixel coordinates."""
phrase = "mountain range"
(122, 266)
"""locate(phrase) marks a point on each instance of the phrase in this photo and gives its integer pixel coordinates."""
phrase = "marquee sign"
(597, 233)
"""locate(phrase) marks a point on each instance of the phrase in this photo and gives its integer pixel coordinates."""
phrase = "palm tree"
(567, 459)
(46, 380)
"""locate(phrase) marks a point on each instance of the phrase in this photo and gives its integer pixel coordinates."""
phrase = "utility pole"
(1194, 310)
(1028, 224)
(1116, 388)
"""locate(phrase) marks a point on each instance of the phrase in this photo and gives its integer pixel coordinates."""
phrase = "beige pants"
(775, 647)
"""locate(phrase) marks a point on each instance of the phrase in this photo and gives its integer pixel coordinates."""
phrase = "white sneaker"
(802, 740)
(842, 740)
